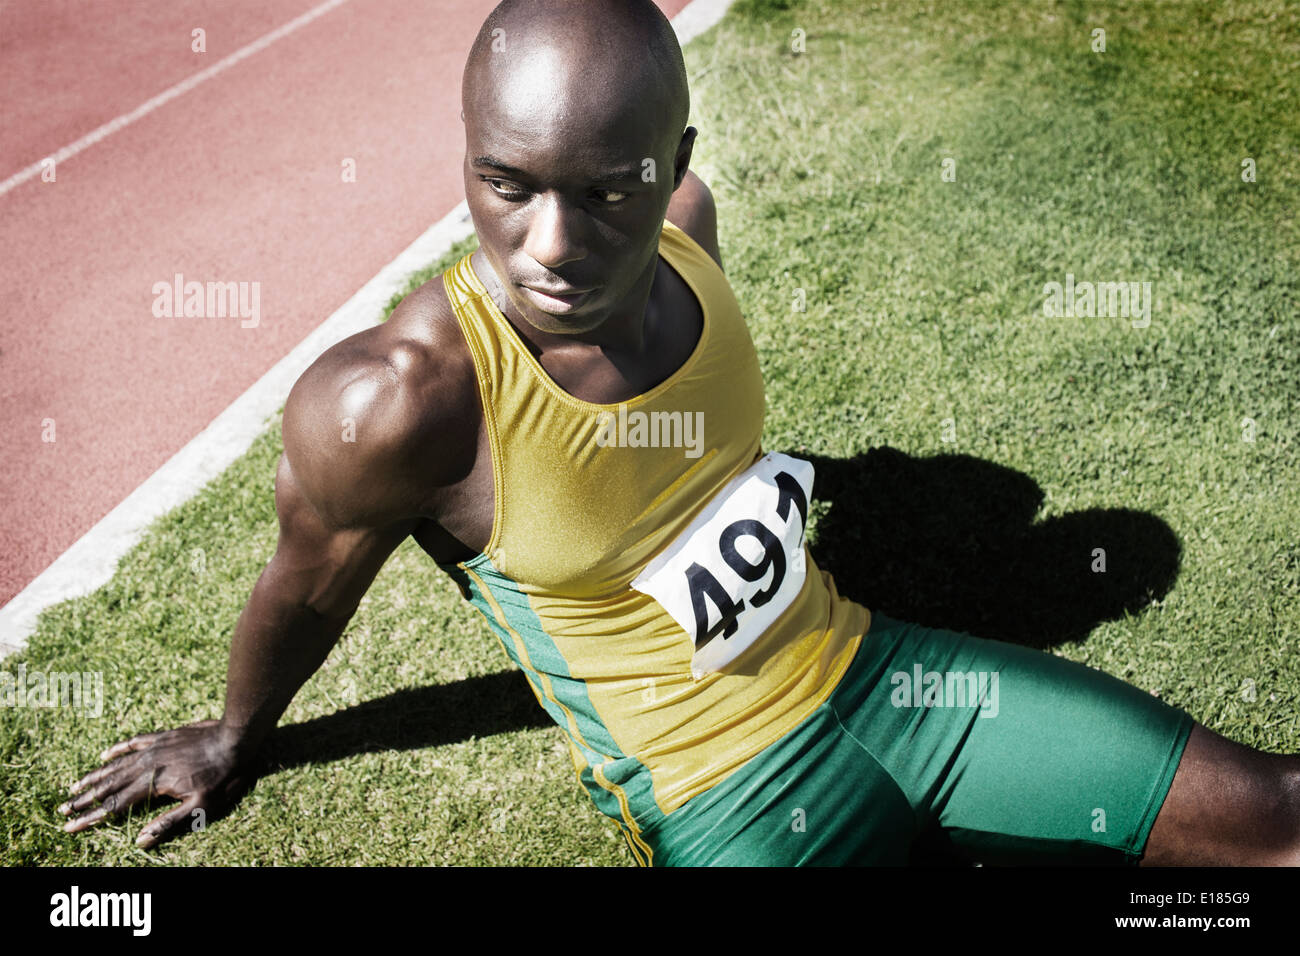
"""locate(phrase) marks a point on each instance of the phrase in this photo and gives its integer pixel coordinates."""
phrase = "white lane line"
(91, 562)
(696, 17)
(166, 96)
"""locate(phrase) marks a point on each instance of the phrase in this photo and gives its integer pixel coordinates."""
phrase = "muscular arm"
(347, 493)
(368, 431)
(298, 609)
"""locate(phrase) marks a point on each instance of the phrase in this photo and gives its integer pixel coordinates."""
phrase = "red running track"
(237, 180)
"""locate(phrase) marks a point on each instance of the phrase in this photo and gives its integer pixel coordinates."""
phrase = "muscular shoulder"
(692, 210)
(386, 417)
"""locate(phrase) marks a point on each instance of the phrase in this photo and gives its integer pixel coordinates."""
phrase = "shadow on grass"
(412, 720)
(405, 720)
(950, 542)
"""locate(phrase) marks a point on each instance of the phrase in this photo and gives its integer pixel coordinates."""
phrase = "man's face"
(564, 198)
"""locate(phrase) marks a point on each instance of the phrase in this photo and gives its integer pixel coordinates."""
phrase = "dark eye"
(611, 197)
(505, 193)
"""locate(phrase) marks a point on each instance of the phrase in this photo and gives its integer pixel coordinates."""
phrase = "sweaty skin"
(564, 103)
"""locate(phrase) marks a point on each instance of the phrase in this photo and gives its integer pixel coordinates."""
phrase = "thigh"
(1230, 805)
(1013, 754)
(814, 798)
(952, 744)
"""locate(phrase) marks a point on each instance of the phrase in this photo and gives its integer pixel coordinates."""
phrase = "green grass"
(415, 744)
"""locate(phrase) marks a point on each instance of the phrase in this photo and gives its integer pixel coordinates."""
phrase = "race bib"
(739, 564)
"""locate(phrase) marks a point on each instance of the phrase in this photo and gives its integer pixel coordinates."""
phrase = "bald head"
(575, 140)
(561, 60)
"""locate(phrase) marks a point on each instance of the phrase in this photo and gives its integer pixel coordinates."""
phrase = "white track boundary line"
(92, 561)
(167, 95)
(698, 16)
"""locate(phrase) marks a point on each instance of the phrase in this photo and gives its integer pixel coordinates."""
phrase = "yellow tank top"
(586, 496)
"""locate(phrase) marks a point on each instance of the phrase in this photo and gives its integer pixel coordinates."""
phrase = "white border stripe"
(92, 561)
(696, 17)
(166, 96)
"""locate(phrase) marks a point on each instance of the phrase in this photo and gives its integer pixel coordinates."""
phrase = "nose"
(554, 234)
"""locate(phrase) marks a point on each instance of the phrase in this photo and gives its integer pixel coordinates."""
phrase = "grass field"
(972, 453)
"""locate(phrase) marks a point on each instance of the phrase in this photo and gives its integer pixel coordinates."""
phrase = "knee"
(1284, 823)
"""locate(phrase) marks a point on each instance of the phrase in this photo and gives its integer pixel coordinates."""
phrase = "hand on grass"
(195, 764)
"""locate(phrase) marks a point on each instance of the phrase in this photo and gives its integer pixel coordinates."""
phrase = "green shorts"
(941, 747)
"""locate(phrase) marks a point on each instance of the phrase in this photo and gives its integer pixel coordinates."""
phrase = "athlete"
(568, 421)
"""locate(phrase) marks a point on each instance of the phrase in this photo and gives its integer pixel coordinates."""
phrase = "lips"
(558, 292)
(564, 299)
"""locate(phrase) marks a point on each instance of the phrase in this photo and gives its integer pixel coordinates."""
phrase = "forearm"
(279, 642)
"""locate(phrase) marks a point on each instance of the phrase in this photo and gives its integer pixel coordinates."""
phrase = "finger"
(86, 820)
(95, 776)
(164, 824)
(138, 742)
(93, 796)
(129, 794)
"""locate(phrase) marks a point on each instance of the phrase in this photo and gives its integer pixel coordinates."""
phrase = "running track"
(236, 179)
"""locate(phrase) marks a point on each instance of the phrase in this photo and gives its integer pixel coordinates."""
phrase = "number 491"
(703, 585)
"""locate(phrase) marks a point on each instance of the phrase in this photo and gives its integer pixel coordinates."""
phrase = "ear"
(682, 161)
